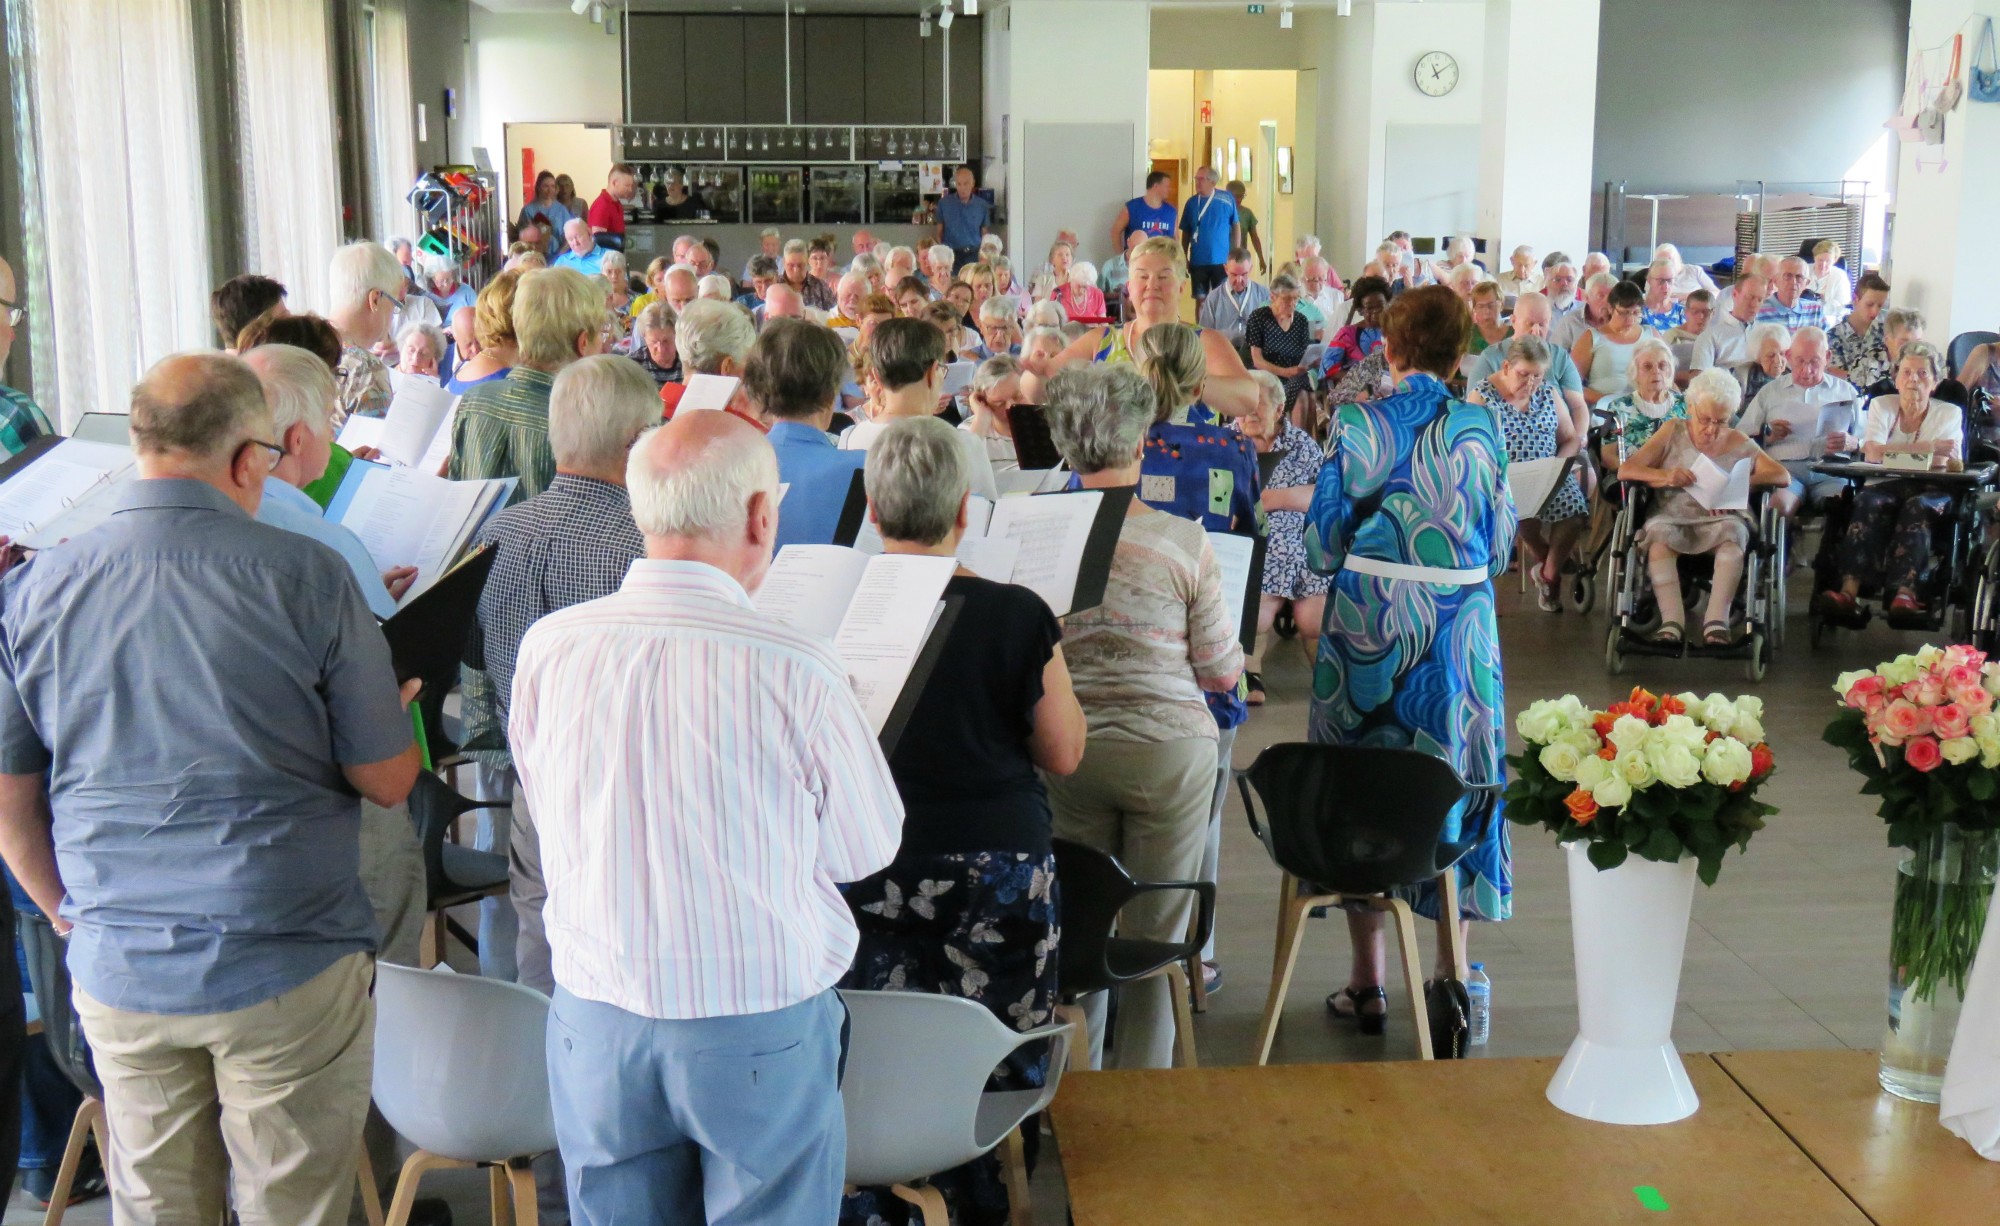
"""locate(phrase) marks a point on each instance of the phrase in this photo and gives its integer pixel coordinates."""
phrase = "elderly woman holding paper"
(1538, 428)
(1165, 634)
(969, 907)
(1888, 539)
(1689, 461)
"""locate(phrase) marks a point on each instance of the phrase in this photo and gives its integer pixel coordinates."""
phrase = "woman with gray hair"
(713, 338)
(1164, 635)
(1537, 426)
(1278, 335)
(976, 823)
(996, 388)
(1888, 539)
(654, 347)
(420, 351)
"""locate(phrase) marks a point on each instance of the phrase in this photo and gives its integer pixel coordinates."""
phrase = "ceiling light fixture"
(1343, 8)
(597, 13)
(972, 8)
(1285, 16)
(579, 7)
(946, 16)
(924, 24)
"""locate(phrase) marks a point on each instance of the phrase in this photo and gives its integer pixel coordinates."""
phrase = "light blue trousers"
(729, 1120)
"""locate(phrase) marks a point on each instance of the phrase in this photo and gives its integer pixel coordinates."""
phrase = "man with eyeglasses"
(21, 419)
(366, 289)
(192, 707)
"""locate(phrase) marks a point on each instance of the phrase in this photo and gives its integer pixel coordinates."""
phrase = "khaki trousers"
(270, 1097)
(1147, 805)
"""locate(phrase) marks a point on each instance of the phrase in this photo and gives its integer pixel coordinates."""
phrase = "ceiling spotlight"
(597, 13)
(972, 8)
(579, 7)
(924, 24)
(1285, 17)
(1343, 8)
(946, 16)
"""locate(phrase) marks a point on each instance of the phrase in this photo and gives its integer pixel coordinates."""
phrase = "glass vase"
(1943, 888)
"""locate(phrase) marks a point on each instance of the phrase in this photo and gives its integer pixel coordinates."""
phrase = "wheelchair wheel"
(1780, 604)
(1760, 657)
(1581, 592)
(1985, 635)
(1614, 659)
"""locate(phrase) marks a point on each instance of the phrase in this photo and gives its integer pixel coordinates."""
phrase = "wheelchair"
(1759, 604)
(1594, 552)
(1960, 592)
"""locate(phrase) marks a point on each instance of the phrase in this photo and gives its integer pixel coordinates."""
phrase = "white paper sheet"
(361, 432)
(989, 557)
(707, 392)
(409, 518)
(416, 413)
(1531, 482)
(440, 449)
(886, 624)
(1233, 555)
(1808, 426)
(1717, 490)
(808, 587)
(958, 377)
(1315, 355)
(1050, 535)
(39, 505)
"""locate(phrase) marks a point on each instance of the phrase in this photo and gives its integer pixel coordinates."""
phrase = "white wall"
(1346, 48)
(541, 68)
(1535, 172)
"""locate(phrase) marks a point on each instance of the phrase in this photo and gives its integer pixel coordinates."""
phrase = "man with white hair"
(1765, 265)
(1785, 417)
(580, 249)
(713, 338)
(1559, 283)
(900, 262)
(1596, 312)
(1521, 275)
(1319, 300)
(847, 296)
(695, 1043)
(781, 301)
(207, 871)
(864, 244)
(501, 429)
(683, 285)
(406, 255)
(814, 292)
(21, 419)
(716, 287)
(770, 243)
(1687, 277)
(365, 288)
(1790, 303)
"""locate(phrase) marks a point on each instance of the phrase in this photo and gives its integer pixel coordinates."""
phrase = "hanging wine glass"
(767, 140)
(812, 143)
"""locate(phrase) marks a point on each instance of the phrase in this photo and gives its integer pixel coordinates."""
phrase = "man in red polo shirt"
(607, 212)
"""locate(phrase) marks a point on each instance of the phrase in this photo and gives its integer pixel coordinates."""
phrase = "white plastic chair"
(915, 1093)
(461, 1070)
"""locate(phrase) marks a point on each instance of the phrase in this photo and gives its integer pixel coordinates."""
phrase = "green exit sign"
(1256, 9)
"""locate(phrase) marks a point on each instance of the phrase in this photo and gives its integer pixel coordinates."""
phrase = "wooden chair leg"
(928, 1199)
(1197, 977)
(89, 1120)
(1079, 1047)
(499, 1195)
(1014, 1168)
(1291, 931)
(527, 1209)
(1288, 892)
(1451, 933)
(364, 1178)
(1413, 971)
(406, 1183)
(1183, 1015)
(432, 945)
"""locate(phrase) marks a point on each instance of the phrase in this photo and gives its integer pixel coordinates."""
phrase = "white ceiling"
(838, 6)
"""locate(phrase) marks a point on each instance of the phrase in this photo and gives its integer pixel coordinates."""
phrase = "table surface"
(1891, 1156)
(1450, 1141)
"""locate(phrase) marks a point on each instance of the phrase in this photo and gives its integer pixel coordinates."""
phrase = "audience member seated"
(1856, 350)
(712, 338)
(1165, 633)
(1696, 310)
(798, 275)
(1725, 341)
(1595, 313)
(1661, 311)
(715, 287)
(1653, 401)
(365, 285)
(501, 429)
(1487, 328)
(1317, 296)
(998, 335)
(580, 250)
(975, 843)
(445, 290)
(1277, 335)
(1559, 281)
(1828, 281)
(996, 388)
(1593, 263)
(1459, 254)
(1521, 276)
(21, 419)
(1789, 303)
(781, 301)
(653, 344)
(847, 296)
(1889, 539)
(819, 263)
(1764, 348)
(1287, 581)
(1307, 249)
(239, 300)
(961, 342)
(420, 351)
(1603, 354)
(222, 948)
(1080, 295)
(1762, 264)
(908, 358)
(1228, 307)
(1360, 334)
(1802, 394)
(1677, 525)
(1901, 328)
(1687, 277)
(765, 793)
(1537, 426)
(493, 325)
(940, 268)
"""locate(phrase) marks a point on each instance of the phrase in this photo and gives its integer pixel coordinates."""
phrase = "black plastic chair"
(1350, 824)
(48, 979)
(1095, 888)
(1961, 348)
(453, 874)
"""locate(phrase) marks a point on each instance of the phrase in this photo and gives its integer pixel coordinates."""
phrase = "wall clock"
(1437, 73)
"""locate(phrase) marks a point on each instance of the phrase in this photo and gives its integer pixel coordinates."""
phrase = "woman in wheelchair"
(1678, 524)
(1888, 542)
(1652, 402)
(1537, 426)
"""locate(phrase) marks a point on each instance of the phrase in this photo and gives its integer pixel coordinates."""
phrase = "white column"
(1538, 126)
(1946, 243)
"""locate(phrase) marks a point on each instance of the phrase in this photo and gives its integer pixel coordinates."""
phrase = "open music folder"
(1240, 557)
(407, 517)
(61, 491)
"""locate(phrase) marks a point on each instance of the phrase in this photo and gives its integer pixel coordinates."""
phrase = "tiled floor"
(1786, 951)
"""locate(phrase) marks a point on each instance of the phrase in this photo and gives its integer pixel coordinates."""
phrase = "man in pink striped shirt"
(701, 777)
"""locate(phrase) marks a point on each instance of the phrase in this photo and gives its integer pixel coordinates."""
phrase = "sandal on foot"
(1670, 632)
(1353, 1002)
(1716, 634)
(1256, 683)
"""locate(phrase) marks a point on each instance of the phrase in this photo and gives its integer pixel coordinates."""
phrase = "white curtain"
(394, 151)
(291, 184)
(125, 221)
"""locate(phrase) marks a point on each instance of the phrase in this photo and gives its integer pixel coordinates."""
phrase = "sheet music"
(989, 557)
(405, 517)
(1049, 535)
(958, 377)
(1717, 490)
(47, 493)
(1839, 417)
(1531, 482)
(417, 411)
(359, 432)
(809, 586)
(885, 626)
(1315, 356)
(1234, 554)
(707, 392)
(439, 451)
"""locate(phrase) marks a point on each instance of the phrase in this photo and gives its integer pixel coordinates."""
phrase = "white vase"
(1630, 929)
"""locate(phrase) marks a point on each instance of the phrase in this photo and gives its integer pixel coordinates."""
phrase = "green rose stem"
(1940, 911)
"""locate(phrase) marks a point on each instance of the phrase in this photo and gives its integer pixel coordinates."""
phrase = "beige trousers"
(1147, 805)
(270, 1097)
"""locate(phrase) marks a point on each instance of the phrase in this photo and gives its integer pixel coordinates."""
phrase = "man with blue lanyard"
(962, 219)
(1210, 229)
(1151, 214)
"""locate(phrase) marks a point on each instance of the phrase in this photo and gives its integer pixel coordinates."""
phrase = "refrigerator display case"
(837, 194)
(777, 195)
(895, 195)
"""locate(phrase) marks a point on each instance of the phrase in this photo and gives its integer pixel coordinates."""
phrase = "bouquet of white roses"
(1659, 777)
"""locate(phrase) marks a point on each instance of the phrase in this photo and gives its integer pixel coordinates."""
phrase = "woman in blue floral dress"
(1413, 519)
(1536, 427)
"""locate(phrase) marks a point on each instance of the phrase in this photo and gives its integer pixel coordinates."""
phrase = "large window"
(291, 186)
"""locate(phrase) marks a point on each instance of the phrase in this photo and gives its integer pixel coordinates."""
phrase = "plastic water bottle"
(1480, 990)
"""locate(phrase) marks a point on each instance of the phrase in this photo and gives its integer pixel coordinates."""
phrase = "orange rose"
(1582, 807)
(1761, 760)
(1669, 705)
(1602, 724)
(1643, 698)
(1609, 753)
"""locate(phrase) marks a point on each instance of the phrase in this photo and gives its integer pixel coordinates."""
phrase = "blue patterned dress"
(1418, 478)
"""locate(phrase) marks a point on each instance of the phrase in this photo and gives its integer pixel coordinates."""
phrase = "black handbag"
(1450, 1013)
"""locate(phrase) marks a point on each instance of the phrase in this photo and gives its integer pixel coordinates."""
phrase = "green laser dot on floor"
(1650, 1198)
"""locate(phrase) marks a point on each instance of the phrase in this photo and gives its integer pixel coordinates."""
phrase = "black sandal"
(1669, 632)
(1256, 694)
(1716, 634)
(1370, 1023)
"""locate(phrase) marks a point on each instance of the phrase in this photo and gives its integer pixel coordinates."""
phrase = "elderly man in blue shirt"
(580, 249)
(1210, 229)
(192, 706)
(963, 218)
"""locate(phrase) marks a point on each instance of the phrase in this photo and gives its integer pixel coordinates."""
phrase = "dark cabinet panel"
(834, 48)
(764, 69)
(894, 86)
(659, 76)
(713, 55)
(968, 78)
